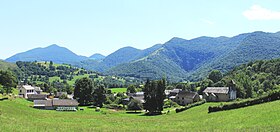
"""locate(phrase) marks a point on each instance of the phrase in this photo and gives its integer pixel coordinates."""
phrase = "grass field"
(17, 115)
(118, 90)
(72, 82)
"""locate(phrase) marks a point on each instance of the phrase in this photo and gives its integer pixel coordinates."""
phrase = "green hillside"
(194, 59)
(52, 77)
(16, 115)
(6, 65)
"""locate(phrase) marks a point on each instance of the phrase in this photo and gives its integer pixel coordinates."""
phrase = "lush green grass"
(17, 115)
(118, 90)
(51, 79)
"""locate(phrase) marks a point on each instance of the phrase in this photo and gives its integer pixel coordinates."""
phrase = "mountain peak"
(53, 53)
(53, 45)
(176, 40)
(97, 56)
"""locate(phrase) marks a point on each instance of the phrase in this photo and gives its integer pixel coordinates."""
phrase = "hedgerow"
(272, 96)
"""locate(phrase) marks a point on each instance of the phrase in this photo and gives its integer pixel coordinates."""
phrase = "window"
(182, 98)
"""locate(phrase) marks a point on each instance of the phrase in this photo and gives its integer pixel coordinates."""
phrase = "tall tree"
(215, 76)
(99, 95)
(160, 94)
(83, 91)
(8, 80)
(154, 96)
(131, 89)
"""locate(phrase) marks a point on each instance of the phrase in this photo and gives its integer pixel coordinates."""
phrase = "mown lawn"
(118, 90)
(17, 115)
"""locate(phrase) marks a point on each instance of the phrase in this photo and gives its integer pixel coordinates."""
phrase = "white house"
(25, 90)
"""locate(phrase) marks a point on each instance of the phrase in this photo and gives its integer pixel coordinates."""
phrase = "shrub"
(113, 106)
(190, 106)
(169, 104)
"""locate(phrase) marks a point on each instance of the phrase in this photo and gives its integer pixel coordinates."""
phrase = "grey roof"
(65, 102)
(139, 94)
(172, 97)
(175, 90)
(39, 102)
(216, 90)
(56, 102)
(36, 96)
(135, 94)
(187, 94)
(140, 98)
(49, 103)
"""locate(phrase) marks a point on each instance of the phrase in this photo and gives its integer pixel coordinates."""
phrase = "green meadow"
(118, 90)
(18, 115)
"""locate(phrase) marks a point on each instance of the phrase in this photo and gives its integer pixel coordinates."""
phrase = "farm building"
(56, 104)
(219, 94)
(185, 97)
(137, 96)
(25, 90)
(32, 97)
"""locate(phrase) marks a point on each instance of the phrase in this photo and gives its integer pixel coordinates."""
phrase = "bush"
(272, 96)
(190, 106)
(169, 104)
(113, 106)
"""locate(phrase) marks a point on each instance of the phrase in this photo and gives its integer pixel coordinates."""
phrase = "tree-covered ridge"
(53, 77)
(177, 60)
(196, 58)
(255, 46)
(252, 79)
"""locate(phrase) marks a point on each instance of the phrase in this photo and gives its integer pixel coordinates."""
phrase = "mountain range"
(53, 53)
(178, 59)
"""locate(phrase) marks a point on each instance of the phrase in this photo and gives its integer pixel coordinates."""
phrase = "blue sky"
(90, 26)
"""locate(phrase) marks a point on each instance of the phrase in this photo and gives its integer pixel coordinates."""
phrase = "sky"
(103, 26)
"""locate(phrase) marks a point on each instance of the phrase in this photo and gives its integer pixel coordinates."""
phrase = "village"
(61, 101)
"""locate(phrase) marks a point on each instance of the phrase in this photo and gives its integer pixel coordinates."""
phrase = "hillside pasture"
(18, 115)
(118, 90)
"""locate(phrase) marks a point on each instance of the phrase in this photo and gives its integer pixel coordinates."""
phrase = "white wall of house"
(26, 90)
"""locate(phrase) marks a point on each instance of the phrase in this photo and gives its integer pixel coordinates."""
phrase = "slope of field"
(17, 115)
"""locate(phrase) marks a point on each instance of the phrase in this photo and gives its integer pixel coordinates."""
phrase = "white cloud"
(256, 12)
(207, 21)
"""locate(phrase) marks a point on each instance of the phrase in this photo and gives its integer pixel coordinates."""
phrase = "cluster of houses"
(42, 101)
(182, 97)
